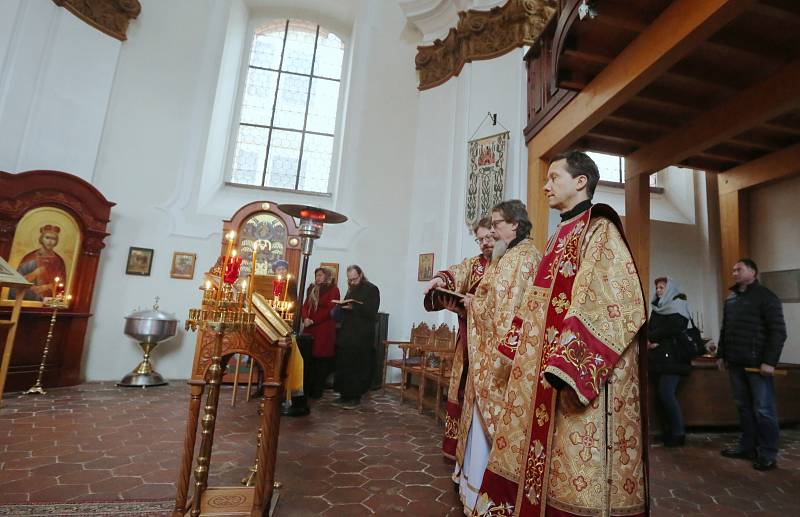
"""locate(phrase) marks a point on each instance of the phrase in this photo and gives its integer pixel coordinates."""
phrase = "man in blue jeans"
(752, 337)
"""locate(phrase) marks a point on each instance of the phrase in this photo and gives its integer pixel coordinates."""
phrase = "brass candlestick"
(221, 312)
(57, 302)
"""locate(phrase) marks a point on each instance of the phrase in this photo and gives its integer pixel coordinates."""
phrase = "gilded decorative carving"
(482, 35)
(237, 343)
(109, 16)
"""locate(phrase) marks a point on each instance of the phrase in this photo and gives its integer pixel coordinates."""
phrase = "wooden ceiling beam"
(620, 17)
(782, 129)
(597, 59)
(637, 122)
(753, 106)
(679, 29)
(777, 13)
(743, 142)
(780, 164)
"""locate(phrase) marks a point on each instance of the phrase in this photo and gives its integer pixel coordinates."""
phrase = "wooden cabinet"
(706, 400)
(38, 208)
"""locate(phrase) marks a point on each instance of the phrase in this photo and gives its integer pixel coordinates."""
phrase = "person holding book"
(490, 310)
(446, 290)
(355, 354)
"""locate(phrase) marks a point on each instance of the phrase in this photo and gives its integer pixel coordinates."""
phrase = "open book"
(345, 302)
(441, 291)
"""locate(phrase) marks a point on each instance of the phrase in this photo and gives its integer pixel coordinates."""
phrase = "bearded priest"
(491, 308)
(570, 439)
(462, 278)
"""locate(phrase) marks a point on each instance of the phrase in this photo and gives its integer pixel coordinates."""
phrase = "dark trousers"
(321, 367)
(671, 417)
(754, 395)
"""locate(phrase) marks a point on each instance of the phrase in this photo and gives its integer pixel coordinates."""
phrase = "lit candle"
(252, 275)
(286, 287)
(208, 285)
(231, 236)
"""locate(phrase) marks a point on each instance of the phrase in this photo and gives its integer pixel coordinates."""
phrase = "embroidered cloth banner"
(486, 175)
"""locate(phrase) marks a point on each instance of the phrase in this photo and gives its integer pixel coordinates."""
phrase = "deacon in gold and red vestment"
(570, 439)
(490, 311)
(461, 278)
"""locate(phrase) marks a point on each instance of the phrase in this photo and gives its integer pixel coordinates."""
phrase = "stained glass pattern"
(330, 51)
(289, 107)
(284, 156)
(259, 96)
(322, 106)
(251, 149)
(317, 153)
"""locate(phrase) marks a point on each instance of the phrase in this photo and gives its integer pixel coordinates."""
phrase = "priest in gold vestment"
(570, 437)
(462, 278)
(496, 300)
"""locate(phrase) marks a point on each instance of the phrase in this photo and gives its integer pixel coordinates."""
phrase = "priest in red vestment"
(462, 278)
(571, 437)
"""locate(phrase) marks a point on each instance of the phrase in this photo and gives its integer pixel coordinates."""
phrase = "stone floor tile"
(381, 455)
(346, 495)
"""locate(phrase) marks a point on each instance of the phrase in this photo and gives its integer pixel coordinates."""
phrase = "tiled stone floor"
(97, 442)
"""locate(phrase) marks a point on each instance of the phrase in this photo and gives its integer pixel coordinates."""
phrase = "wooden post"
(734, 233)
(268, 452)
(11, 333)
(189, 441)
(538, 209)
(637, 225)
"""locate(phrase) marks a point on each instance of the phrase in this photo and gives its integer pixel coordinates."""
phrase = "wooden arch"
(19, 194)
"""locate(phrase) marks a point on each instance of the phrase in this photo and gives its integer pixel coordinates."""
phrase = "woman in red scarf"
(317, 322)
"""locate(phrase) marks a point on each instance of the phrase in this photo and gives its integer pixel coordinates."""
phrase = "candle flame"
(69, 297)
(231, 235)
(57, 279)
(233, 253)
(208, 284)
(244, 284)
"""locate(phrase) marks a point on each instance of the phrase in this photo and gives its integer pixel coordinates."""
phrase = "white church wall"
(56, 74)
(449, 116)
(159, 136)
(775, 245)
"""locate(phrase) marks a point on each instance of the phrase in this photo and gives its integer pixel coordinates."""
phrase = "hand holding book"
(347, 301)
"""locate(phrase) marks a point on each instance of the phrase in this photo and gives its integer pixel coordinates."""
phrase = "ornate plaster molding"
(482, 35)
(109, 16)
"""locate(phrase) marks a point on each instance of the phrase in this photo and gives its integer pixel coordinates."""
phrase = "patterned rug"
(96, 509)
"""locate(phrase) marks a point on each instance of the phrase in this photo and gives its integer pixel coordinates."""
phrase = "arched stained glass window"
(288, 114)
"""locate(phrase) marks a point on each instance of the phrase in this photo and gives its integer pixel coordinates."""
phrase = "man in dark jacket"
(752, 336)
(355, 355)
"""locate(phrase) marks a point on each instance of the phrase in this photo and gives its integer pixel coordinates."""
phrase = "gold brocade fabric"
(595, 454)
(462, 278)
(497, 299)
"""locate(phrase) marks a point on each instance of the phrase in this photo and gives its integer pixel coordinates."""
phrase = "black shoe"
(760, 464)
(675, 441)
(297, 411)
(736, 452)
(350, 403)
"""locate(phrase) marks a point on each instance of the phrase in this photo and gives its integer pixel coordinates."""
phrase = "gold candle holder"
(223, 310)
(60, 301)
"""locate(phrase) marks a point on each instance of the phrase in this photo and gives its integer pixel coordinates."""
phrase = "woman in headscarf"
(317, 322)
(669, 355)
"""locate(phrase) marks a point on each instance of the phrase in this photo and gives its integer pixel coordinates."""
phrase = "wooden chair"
(412, 360)
(437, 366)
